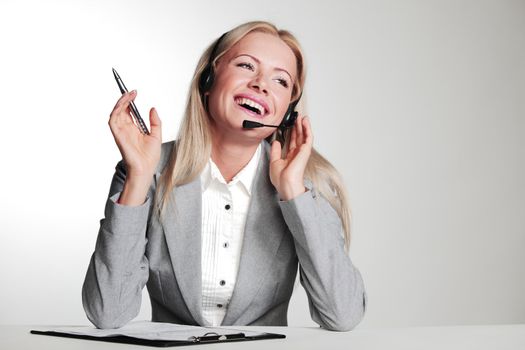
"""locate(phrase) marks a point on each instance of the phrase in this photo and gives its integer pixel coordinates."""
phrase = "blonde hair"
(185, 163)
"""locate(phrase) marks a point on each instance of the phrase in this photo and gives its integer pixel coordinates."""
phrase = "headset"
(207, 78)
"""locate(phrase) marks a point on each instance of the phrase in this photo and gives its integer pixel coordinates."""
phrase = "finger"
(299, 128)
(305, 149)
(121, 113)
(155, 123)
(308, 135)
(123, 102)
(119, 120)
(302, 156)
(275, 152)
(293, 140)
(120, 101)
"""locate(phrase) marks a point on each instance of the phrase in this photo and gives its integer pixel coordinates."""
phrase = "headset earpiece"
(206, 79)
(290, 116)
(289, 119)
(208, 75)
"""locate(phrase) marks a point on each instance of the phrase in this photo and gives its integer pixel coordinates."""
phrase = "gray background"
(419, 104)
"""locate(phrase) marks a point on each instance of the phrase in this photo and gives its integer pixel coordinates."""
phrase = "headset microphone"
(287, 122)
(248, 124)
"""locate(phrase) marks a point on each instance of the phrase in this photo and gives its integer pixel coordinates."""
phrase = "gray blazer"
(136, 247)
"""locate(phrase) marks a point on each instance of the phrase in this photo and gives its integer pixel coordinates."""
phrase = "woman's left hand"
(287, 175)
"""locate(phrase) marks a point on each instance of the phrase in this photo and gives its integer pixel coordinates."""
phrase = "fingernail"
(133, 92)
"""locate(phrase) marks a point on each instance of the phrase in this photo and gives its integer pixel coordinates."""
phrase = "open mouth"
(251, 105)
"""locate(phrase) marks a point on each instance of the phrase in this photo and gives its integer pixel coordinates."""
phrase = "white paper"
(153, 331)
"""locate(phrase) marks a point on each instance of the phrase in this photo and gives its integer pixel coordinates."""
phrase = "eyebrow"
(258, 61)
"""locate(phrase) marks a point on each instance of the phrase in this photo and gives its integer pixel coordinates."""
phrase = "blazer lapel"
(262, 237)
(182, 227)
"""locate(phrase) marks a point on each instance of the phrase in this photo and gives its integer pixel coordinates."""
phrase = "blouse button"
(219, 305)
(227, 207)
(222, 282)
(225, 244)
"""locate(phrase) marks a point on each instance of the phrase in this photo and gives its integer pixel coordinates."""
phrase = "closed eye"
(246, 65)
(283, 82)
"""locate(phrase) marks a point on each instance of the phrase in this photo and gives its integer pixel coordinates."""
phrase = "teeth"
(246, 101)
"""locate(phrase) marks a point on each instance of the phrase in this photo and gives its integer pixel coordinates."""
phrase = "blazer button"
(219, 306)
(227, 207)
(222, 282)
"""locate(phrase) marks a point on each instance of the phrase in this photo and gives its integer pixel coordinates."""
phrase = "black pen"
(134, 111)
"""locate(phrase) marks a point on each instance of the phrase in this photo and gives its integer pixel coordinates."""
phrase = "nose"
(259, 83)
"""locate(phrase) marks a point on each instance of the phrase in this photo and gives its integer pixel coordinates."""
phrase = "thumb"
(275, 152)
(155, 123)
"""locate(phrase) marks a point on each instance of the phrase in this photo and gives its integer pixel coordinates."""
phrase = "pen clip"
(212, 336)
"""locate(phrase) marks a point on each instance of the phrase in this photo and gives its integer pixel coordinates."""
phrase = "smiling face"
(253, 81)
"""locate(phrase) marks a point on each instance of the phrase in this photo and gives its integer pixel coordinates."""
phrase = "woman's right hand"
(141, 152)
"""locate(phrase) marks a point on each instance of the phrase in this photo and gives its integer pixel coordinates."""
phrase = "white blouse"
(224, 209)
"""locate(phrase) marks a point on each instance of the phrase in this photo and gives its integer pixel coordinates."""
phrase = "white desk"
(506, 337)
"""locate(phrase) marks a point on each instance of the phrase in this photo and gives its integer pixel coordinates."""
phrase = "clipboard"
(201, 337)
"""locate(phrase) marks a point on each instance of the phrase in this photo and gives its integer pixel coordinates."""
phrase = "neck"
(231, 156)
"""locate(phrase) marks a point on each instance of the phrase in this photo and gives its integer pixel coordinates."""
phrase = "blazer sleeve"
(334, 286)
(118, 269)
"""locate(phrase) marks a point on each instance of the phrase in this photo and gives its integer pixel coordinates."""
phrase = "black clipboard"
(207, 338)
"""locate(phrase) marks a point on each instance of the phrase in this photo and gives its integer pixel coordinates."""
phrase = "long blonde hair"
(193, 145)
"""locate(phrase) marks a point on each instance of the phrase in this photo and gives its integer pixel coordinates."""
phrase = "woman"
(216, 223)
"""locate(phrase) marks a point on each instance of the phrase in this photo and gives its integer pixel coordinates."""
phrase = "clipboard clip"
(214, 337)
